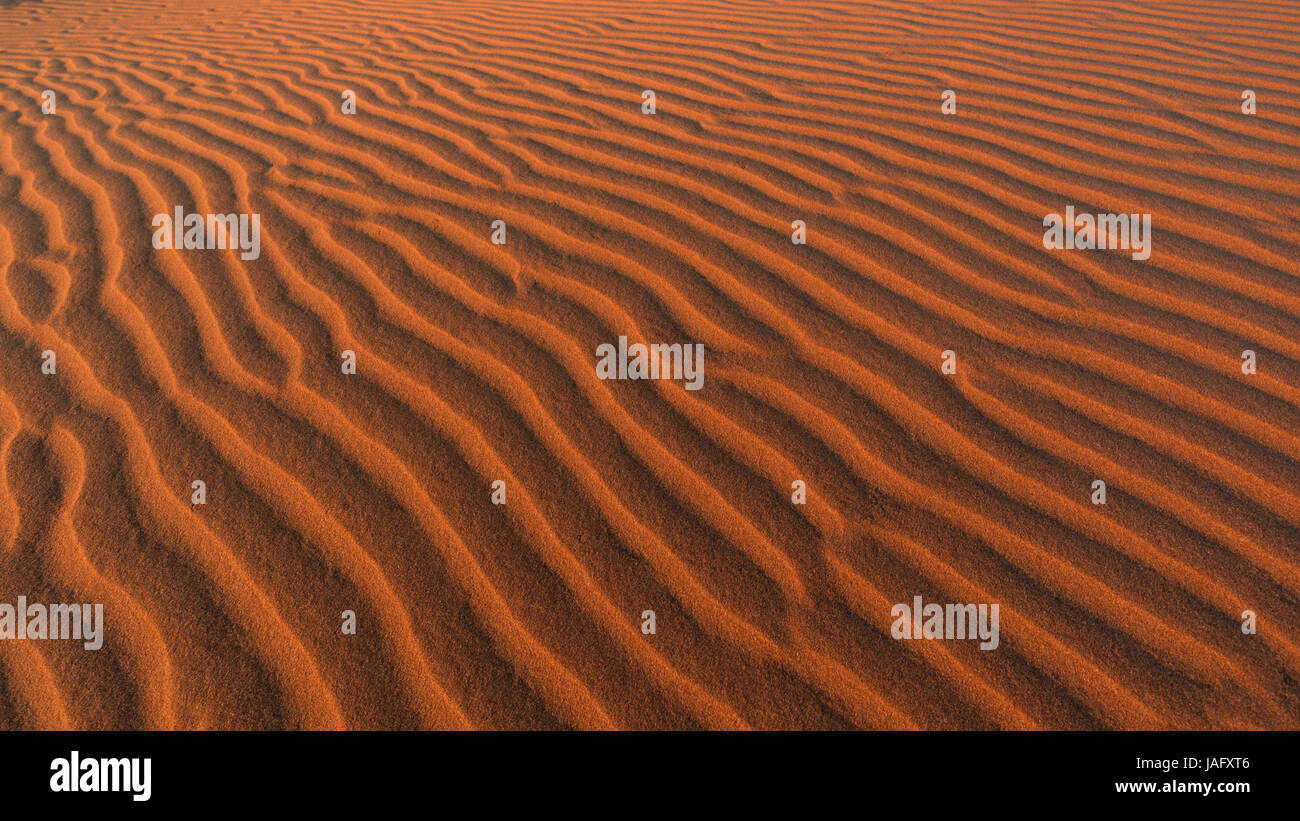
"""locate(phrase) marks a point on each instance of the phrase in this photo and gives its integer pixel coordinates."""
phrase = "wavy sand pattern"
(330, 492)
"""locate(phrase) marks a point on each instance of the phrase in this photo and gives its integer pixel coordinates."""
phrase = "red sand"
(329, 492)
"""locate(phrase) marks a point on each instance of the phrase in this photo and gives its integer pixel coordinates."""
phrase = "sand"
(475, 363)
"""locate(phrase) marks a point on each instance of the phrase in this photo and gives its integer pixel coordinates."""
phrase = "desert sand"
(372, 492)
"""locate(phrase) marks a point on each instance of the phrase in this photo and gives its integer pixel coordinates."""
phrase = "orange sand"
(371, 492)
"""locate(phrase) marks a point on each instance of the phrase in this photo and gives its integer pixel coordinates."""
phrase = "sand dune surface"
(476, 367)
